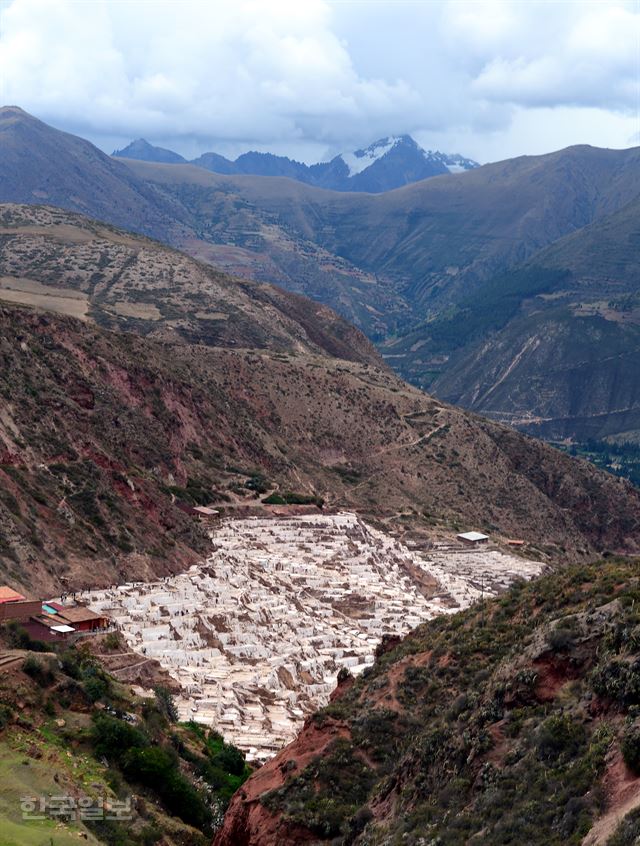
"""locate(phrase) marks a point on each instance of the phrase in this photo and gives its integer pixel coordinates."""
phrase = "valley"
(320, 423)
(468, 283)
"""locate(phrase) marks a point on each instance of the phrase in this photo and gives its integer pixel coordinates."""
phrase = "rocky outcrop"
(247, 821)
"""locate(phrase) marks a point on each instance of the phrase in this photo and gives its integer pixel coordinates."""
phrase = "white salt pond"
(257, 634)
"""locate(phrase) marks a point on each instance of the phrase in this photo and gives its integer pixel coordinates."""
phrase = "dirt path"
(623, 791)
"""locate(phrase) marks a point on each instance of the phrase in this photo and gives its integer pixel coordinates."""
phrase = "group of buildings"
(48, 620)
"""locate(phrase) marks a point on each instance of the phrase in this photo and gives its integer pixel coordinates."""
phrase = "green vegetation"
(65, 708)
(19, 638)
(628, 831)
(621, 459)
(289, 498)
(327, 795)
(492, 725)
(490, 309)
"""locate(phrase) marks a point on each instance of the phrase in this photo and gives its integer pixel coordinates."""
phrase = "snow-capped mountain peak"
(395, 161)
(360, 160)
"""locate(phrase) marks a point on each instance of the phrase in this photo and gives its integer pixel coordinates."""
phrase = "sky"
(310, 78)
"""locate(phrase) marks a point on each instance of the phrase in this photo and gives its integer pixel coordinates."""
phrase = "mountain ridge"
(382, 166)
(398, 264)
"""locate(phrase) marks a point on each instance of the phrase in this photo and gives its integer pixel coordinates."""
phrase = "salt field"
(257, 634)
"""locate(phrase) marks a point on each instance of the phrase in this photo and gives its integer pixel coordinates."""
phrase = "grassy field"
(21, 776)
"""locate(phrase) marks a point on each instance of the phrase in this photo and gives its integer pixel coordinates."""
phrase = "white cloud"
(305, 76)
(247, 70)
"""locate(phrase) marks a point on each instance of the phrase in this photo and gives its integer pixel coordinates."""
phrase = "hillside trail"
(398, 447)
(623, 791)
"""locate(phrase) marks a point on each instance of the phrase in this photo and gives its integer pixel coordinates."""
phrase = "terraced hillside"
(72, 265)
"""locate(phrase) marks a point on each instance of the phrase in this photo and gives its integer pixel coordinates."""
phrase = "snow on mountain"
(454, 163)
(388, 163)
(362, 159)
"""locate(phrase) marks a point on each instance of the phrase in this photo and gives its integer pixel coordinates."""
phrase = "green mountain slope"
(552, 348)
(84, 759)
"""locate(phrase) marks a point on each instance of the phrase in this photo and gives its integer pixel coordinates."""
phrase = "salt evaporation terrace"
(257, 634)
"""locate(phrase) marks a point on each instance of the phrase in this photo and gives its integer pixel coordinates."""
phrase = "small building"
(472, 538)
(16, 607)
(206, 514)
(47, 629)
(514, 542)
(82, 619)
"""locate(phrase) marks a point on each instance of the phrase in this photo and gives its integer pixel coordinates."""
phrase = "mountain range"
(139, 382)
(386, 164)
(528, 266)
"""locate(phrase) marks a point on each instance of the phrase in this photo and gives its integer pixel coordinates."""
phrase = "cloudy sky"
(309, 78)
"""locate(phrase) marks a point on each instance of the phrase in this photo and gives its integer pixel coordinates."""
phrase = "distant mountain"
(386, 164)
(146, 152)
(40, 164)
(559, 356)
(448, 275)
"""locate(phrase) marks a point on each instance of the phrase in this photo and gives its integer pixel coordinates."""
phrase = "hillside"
(553, 347)
(513, 722)
(428, 244)
(39, 164)
(84, 759)
(70, 264)
(460, 280)
(105, 437)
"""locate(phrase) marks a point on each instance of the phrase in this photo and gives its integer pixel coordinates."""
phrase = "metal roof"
(472, 536)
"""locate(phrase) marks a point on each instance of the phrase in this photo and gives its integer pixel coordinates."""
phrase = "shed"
(473, 538)
(46, 628)
(205, 513)
(83, 619)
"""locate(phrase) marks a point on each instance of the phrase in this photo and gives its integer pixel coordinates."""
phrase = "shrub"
(6, 713)
(561, 639)
(166, 704)
(618, 680)
(630, 745)
(112, 738)
(42, 674)
(289, 498)
(559, 735)
(224, 755)
(112, 641)
(157, 767)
